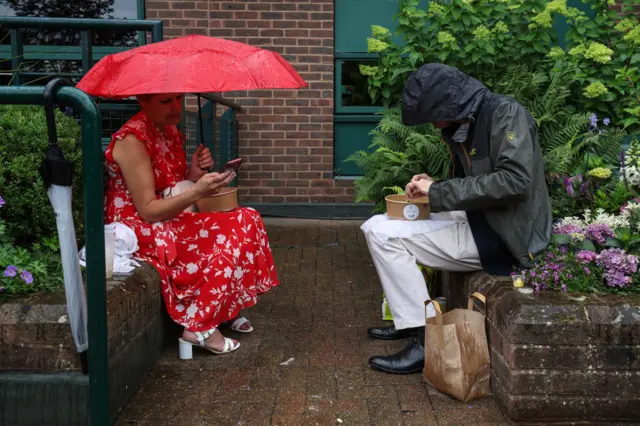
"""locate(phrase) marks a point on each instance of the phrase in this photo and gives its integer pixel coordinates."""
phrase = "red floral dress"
(212, 265)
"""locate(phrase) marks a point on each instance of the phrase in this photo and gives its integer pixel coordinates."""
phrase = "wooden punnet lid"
(401, 208)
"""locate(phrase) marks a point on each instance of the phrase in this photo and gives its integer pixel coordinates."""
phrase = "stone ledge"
(558, 357)
(35, 334)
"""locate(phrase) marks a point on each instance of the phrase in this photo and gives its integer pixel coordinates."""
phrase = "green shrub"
(399, 153)
(487, 38)
(28, 214)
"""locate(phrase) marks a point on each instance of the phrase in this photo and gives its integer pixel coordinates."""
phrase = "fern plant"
(398, 152)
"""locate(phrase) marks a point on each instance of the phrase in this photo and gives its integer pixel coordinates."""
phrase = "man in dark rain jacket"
(498, 214)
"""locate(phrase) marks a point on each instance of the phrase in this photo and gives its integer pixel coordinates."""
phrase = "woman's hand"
(201, 162)
(212, 183)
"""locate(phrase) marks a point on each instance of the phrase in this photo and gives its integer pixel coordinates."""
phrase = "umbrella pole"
(200, 125)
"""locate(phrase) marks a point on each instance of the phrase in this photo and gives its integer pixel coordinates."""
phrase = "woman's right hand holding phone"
(211, 183)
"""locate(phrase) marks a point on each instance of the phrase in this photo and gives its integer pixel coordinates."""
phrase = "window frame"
(339, 59)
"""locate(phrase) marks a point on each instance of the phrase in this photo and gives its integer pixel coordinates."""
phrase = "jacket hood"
(437, 92)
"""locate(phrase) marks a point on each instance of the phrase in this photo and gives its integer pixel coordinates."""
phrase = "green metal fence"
(90, 117)
(94, 228)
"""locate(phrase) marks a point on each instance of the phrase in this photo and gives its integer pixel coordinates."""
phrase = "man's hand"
(201, 162)
(421, 177)
(419, 186)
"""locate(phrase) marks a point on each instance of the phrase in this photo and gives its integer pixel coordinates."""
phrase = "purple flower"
(1, 289)
(568, 186)
(11, 271)
(587, 270)
(599, 232)
(586, 256)
(618, 267)
(26, 277)
(606, 121)
(594, 120)
(2, 202)
(578, 178)
(583, 188)
(564, 288)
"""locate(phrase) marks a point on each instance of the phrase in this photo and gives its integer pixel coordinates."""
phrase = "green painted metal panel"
(349, 138)
(560, 24)
(353, 20)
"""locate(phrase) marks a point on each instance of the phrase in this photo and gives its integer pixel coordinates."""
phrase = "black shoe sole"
(384, 370)
(410, 334)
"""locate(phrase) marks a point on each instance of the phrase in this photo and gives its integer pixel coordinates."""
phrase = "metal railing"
(94, 228)
(86, 27)
(92, 154)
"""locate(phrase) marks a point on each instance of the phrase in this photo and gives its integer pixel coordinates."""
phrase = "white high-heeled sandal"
(237, 323)
(185, 348)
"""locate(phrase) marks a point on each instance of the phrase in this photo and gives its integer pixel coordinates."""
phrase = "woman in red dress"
(212, 265)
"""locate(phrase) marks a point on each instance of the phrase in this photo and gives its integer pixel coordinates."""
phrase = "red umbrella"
(189, 64)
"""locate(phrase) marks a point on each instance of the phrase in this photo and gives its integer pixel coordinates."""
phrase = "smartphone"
(233, 165)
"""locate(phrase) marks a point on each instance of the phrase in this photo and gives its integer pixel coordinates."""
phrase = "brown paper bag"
(456, 352)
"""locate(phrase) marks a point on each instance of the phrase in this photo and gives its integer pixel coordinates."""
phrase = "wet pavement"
(306, 361)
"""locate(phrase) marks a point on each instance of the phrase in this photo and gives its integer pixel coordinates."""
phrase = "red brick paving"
(329, 296)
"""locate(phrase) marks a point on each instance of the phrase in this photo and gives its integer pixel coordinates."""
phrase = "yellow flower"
(368, 70)
(599, 53)
(500, 27)
(481, 33)
(379, 32)
(595, 90)
(435, 9)
(375, 45)
(556, 52)
(625, 25)
(579, 50)
(446, 38)
(633, 36)
(600, 173)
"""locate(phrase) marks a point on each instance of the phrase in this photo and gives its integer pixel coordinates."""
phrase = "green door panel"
(349, 138)
(353, 20)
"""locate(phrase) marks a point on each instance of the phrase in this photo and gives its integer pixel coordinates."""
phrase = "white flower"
(192, 247)
(227, 272)
(221, 239)
(160, 243)
(180, 308)
(204, 233)
(571, 220)
(118, 202)
(192, 268)
(192, 310)
(250, 257)
(238, 273)
(146, 232)
(612, 221)
(236, 252)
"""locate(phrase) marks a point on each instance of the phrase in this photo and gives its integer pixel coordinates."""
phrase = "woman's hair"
(144, 98)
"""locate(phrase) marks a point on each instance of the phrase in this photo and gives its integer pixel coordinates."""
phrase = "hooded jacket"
(497, 144)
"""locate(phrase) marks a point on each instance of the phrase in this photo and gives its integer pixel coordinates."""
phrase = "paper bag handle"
(436, 305)
(478, 296)
(440, 328)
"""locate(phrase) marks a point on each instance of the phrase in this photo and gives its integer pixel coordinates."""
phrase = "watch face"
(411, 212)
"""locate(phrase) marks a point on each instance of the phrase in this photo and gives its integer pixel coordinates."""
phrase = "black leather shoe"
(390, 333)
(407, 361)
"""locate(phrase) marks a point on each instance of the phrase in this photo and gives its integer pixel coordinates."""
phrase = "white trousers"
(446, 243)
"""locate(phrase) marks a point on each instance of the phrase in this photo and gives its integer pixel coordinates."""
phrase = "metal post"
(94, 227)
(86, 48)
(17, 55)
(156, 32)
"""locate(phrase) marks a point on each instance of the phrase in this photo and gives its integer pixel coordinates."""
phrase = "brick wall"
(286, 136)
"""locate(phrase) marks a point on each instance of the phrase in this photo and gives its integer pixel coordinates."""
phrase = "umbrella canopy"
(189, 64)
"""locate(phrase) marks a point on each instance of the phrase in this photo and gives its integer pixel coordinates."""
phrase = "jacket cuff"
(435, 197)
